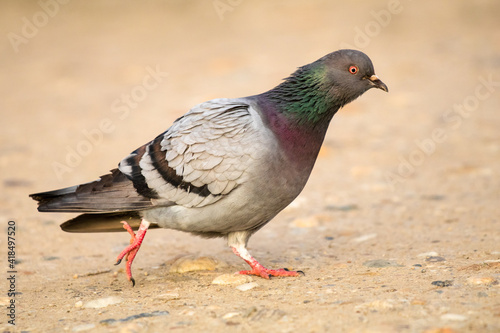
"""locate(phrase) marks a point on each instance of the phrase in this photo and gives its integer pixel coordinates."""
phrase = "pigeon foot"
(258, 269)
(131, 251)
(267, 273)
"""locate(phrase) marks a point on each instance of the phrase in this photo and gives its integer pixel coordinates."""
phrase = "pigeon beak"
(375, 81)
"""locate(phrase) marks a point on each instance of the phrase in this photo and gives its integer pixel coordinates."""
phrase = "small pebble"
(492, 263)
(381, 263)
(488, 280)
(78, 304)
(92, 273)
(364, 238)
(435, 259)
(442, 284)
(231, 315)
(427, 254)
(227, 279)
(102, 302)
(453, 317)
(247, 286)
(168, 296)
(133, 317)
(84, 327)
(191, 264)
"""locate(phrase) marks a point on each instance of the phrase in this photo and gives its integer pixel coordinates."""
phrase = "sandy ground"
(398, 229)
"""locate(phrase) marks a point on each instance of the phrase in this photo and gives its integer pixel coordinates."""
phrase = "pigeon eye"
(353, 69)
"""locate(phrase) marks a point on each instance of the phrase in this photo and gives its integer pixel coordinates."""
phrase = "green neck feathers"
(303, 97)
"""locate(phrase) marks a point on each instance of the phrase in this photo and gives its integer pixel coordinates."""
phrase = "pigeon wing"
(200, 159)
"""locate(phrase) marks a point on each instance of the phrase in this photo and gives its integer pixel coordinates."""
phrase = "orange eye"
(353, 69)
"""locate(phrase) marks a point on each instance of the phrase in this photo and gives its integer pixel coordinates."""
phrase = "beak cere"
(375, 81)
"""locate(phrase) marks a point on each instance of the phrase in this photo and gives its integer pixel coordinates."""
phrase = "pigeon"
(225, 168)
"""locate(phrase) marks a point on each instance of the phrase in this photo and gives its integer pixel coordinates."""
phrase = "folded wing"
(200, 159)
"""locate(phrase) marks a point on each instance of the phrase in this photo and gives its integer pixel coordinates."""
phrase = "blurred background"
(68, 65)
(86, 82)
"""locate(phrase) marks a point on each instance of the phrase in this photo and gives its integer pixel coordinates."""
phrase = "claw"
(130, 251)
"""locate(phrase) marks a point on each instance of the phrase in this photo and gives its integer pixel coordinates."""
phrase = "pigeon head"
(348, 74)
(315, 92)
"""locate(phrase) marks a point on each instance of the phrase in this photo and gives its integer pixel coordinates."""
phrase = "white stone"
(364, 238)
(227, 279)
(247, 286)
(84, 327)
(102, 302)
(453, 317)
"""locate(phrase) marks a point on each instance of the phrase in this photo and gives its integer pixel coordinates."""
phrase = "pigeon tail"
(113, 192)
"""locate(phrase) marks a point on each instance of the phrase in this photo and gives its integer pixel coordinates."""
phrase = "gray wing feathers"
(202, 157)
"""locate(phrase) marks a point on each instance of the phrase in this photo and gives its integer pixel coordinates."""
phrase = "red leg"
(258, 269)
(131, 251)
